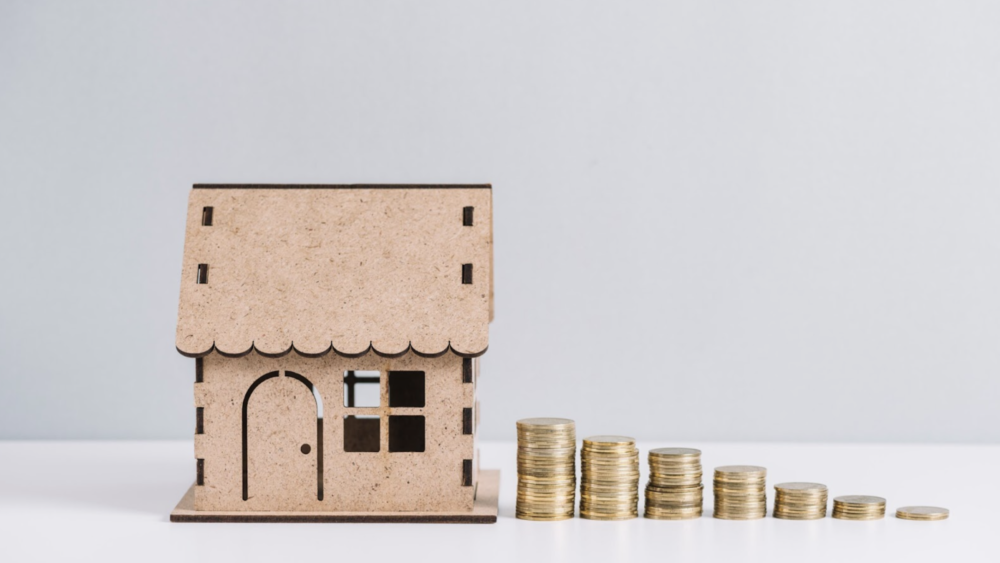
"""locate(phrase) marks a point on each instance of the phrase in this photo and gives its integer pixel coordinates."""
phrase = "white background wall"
(714, 220)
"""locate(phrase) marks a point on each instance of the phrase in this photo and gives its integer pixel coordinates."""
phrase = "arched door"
(282, 442)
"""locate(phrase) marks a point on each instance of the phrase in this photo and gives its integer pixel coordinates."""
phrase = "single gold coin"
(739, 470)
(862, 500)
(609, 440)
(674, 452)
(800, 487)
(544, 421)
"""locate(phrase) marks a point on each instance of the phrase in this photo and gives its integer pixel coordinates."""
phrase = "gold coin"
(544, 422)
(674, 452)
(740, 470)
(609, 439)
(841, 516)
(544, 517)
(859, 500)
(926, 513)
(800, 487)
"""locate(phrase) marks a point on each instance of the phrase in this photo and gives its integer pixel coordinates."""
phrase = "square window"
(406, 389)
(361, 389)
(361, 433)
(406, 433)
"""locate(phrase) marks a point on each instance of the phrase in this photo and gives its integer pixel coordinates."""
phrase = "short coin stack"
(674, 491)
(546, 469)
(859, 507)
(800, 501)
(922, 513)
(609, 486)
(740, 492)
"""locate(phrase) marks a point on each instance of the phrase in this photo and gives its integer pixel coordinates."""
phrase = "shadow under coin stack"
(609, 485)
(800, 501)
(740, 492)
(546, 469)
(674, 491)
(859, 507)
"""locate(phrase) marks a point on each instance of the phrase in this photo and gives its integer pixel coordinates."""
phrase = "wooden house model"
(336, 331)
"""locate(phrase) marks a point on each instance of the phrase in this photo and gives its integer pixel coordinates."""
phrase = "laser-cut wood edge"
(484, 511)
(342, 186)
(329, 350)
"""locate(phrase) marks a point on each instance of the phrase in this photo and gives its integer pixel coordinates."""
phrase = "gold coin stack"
(739, 492)
(800, 501)
(859, 507)
(546, 469)
(674, 491)
(609, 484)
(925, 513)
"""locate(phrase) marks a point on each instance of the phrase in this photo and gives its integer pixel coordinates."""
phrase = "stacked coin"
(674, 491)
(800, 501)
(739, 492)
(859, 507)
(546, 469)
(925, 513)
(609, 485)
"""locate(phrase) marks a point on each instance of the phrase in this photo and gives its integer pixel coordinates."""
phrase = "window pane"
(406, 433)
(406, 389)
(361, 433)
(361, 389)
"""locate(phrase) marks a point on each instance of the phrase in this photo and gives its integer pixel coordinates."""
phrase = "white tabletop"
(110, 501)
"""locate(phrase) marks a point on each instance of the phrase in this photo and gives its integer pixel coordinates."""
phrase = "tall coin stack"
(800, 501)
(859, 507)
(739, 492)
(546, 469)
(609, 486)
(674, 491)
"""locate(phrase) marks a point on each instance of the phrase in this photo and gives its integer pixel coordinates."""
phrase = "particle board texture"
(484, 511)
(275, 432)
(336, 268)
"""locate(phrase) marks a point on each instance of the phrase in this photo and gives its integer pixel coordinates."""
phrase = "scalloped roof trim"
(331, 349)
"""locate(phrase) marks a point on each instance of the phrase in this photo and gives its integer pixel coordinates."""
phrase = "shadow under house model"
(337, 331)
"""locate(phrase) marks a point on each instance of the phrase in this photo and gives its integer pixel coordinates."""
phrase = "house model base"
(484, 511)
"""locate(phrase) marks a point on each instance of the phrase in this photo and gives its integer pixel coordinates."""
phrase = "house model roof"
(341, 268)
